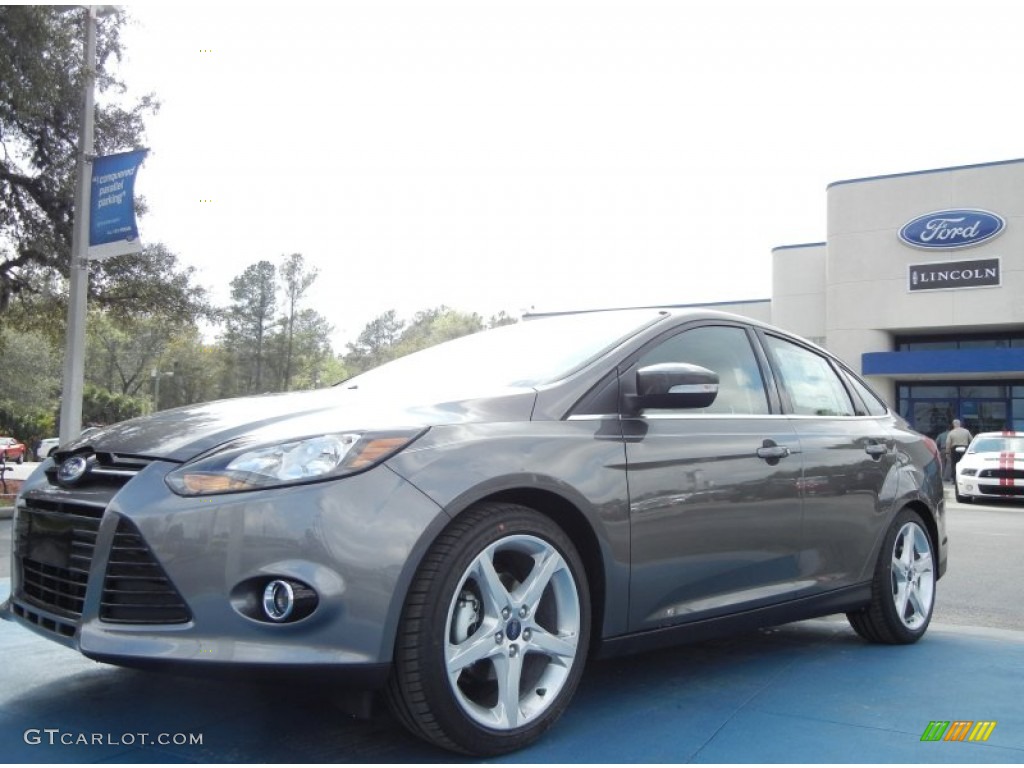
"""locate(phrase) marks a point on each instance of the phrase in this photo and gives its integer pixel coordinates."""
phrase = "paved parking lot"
(807, 692)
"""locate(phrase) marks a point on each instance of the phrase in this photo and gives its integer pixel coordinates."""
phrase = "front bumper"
(979, 487)
(129, 573)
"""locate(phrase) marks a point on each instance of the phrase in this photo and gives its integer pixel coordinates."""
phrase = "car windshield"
(998, 445)
(526, 354)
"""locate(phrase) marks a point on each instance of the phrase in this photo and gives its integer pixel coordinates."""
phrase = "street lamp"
(78, 288)
(157, 375)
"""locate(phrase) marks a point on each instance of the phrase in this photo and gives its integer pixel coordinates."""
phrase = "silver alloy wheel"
(913, 576)
(512, 632)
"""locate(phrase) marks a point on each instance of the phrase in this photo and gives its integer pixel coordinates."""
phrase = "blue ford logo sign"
(72, 470)
(957, 228)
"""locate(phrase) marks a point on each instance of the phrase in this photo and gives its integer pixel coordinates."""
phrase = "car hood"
(181, 434)
(981, 459)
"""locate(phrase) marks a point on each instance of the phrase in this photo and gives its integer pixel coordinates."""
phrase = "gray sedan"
(465, 526)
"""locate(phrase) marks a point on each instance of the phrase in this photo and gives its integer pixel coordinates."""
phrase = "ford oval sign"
(959, 228)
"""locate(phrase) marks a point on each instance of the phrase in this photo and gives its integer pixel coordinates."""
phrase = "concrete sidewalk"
(811, 692)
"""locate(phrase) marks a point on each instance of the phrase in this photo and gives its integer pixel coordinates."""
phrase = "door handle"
(773, 452)
(876, 449)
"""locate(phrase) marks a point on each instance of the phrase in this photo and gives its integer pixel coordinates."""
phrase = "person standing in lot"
(958, 437)
(940, 441)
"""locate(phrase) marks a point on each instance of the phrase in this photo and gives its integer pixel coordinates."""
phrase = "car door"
(851, 463)
(714, 493)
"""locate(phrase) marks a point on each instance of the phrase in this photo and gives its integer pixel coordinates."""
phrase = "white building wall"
(851, 293)
(798, 290)
(867, 299)
(760, 309)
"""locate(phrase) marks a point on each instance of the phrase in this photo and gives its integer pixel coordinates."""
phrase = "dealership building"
(919, 286)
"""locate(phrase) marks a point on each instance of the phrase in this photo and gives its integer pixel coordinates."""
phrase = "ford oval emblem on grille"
(959, 228)
(72, 470)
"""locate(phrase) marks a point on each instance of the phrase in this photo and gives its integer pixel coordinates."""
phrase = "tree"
(387, 337)
(374, 344)
(297, 279)
(149, 284)
(29, 371)
(122, 354)
(249, 321)
(311, 350)
(433, 326)
(101, 406)
(41, 60)
(197, 367)
(502, 318)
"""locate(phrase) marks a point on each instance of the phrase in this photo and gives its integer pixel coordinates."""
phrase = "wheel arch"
(422, 673)
(571, 520)
(931, 524)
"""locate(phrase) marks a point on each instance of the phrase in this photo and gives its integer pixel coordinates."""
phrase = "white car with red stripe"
(992, 468)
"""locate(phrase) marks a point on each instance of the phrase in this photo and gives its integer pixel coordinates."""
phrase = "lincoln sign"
(980, 273)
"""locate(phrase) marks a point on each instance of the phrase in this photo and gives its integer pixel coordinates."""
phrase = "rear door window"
(808, 380)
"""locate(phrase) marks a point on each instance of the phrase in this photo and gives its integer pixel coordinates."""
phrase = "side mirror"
(675, 385)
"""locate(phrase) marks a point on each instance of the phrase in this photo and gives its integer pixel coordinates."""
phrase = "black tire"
(514, 620)
(903, 587)
(21, 458)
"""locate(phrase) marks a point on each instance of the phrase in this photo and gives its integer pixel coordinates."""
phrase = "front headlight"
(969, 472)
(304, 460)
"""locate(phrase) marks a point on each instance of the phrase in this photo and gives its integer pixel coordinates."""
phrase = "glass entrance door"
(980, 406)
(930, 417)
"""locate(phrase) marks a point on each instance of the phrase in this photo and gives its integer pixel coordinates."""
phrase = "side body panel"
(716, 528)
(580, 461)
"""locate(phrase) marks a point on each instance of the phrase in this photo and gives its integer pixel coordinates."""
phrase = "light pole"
(157, 375)
(78, 274)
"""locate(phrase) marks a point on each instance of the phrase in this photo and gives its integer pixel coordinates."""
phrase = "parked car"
(992, 467)
(46, 446)
(463, 527)
(12, 450)
(49, 444)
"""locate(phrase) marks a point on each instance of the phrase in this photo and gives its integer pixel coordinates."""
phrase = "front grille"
(1002, 490)
(54, 548)
(62, 628)
(55, 542)
(1002, 474)
(136, 590)
(111, 470)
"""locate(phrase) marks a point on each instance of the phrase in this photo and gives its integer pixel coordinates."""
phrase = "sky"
(509, 156)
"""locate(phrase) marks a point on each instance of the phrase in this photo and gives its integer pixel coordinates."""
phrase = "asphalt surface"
(810, 692)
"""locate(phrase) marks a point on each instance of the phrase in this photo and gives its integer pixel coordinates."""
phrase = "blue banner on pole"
(112, 228)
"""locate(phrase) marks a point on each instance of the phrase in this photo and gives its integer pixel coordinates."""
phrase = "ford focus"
(462, 528)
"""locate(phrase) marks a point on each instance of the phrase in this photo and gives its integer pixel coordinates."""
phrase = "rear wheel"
(903, 588)
(494, 633)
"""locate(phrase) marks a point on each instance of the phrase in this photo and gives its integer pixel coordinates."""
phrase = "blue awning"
(944, 361)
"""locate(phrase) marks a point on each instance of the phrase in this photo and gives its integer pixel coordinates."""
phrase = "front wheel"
(494, 632)
(903, 588)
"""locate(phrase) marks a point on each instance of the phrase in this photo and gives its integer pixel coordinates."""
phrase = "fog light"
(278, 600)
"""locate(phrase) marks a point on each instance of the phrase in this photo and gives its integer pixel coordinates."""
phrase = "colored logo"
(958, 730)
(959, 228)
